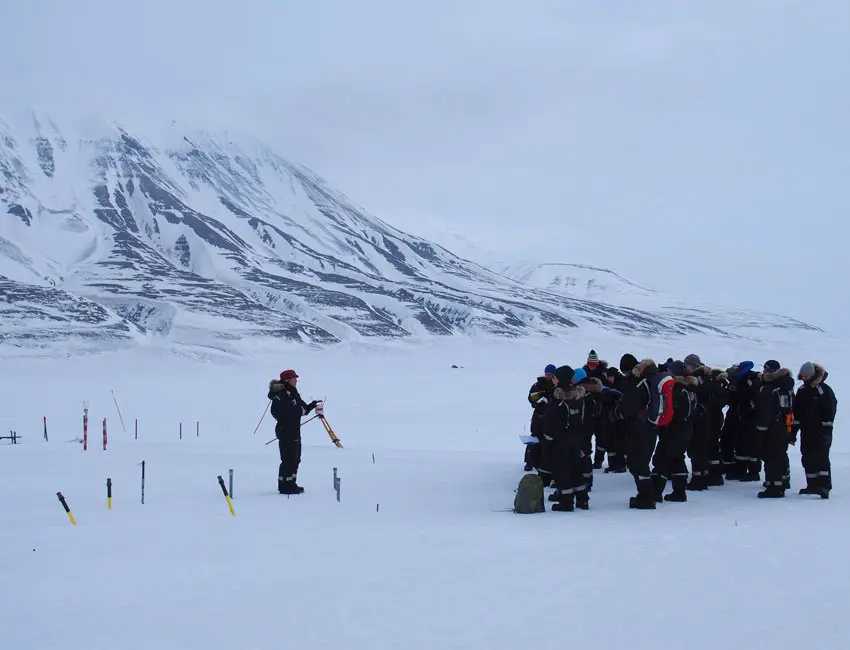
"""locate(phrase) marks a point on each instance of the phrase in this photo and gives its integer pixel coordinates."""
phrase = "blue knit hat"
(550, 368)
(743, 368)
(580, 375)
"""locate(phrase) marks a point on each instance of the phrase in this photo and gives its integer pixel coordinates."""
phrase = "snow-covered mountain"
(579, 280)
(110, 236)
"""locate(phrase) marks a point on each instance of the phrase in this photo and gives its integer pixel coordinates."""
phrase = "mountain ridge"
(190, 236)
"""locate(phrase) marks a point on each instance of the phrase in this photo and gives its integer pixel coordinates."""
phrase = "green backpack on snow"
(529, 495)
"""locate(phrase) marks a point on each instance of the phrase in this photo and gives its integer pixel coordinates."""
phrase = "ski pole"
(262, 418)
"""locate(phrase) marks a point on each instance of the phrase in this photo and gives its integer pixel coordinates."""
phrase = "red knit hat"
(288, 374)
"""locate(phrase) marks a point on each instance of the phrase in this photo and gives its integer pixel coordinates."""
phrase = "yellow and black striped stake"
(67, 509)
(109, 493)
(226, 495)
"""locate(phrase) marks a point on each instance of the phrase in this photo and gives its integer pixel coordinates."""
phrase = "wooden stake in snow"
(120, 417)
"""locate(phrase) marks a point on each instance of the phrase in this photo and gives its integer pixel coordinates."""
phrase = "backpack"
(529, 495)
(660, 411)
(785, 400)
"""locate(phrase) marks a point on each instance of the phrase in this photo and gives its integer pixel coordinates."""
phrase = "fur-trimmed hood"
(713, 374)
(640, 370)
(592, 385)
(775, 376)
(717, 374)
(276, 386)
(570, 394)
(686, 380)
(820, 375)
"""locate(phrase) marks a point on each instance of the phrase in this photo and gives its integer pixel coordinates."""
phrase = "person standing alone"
(287, 409)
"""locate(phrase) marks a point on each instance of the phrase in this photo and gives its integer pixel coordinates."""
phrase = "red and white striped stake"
(104, 434)
(85, 429)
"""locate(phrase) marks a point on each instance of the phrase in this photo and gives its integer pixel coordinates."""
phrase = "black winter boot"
(772, 492)
(678, 495)
(658, 485)
(715, 475)
(563, 502)
(291, 487)
(582, 500)
(641, 503)
(698, 483)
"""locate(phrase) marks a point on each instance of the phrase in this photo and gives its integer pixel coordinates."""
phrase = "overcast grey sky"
(698, 146)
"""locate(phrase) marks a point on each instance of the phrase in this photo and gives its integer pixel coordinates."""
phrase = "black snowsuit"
(599, 429)
(566, 431)
(717, 383)
(287, 409)
(774, 401)
(729, 432)
(594, 405)
(537, 456)
(668, 463)
(747, 440)
(615, 426)
(641, 435)
(703, 449)
(815, 406)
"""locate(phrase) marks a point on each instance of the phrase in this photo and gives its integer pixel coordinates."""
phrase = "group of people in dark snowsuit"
(646, 418)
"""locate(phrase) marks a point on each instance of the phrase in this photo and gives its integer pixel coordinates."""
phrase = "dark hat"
(550, 368)
(627, 362)
(693, 361)
(771, 366)
(677, 369)
(564, 374)
(288, 374)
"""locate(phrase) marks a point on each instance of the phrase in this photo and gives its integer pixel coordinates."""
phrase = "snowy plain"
(421, 550)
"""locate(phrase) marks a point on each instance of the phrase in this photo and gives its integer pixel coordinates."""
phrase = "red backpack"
(660, 410)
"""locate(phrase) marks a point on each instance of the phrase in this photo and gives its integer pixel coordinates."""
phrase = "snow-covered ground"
(420, 551)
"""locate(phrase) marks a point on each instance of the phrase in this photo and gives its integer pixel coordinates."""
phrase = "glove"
(312, 405)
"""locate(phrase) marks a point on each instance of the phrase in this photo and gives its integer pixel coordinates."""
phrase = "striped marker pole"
(67, 509)
(226, 495)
